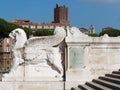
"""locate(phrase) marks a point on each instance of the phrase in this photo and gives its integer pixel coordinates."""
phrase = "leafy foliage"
(3, 28)
(111, 33)
(93, 35)
(43, 32)
(27, 31)
(6, 28)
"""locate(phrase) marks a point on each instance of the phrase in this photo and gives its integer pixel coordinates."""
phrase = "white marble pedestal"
(31, 85)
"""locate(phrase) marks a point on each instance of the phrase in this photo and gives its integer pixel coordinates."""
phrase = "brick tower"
(61, 15)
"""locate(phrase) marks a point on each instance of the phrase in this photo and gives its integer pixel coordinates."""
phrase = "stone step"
(107, 84)
(116, 72)
(97, 86)
(75, 88)
(110, 79)
(85, 87)
(113, 75)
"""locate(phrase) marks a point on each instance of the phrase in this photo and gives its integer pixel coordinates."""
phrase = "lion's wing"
(35, 46)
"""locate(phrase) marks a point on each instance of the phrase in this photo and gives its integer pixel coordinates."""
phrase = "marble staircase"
(107, 82)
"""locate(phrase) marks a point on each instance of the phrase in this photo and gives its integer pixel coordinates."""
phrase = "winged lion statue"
(37, 50)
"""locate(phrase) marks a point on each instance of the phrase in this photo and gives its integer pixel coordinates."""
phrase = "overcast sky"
(82, 13)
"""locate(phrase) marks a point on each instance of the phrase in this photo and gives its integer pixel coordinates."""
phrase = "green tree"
(27, 31)
(43, 32)
(3, 28)
(6, 28)
(111, 33)
(93, 35)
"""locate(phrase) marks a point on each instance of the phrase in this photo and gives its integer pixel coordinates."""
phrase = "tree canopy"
(43, 32)
(111, 32)
(6, 28)
(93, 35)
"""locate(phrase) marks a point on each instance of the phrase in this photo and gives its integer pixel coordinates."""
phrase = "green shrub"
(111, 33)
(93, 35)
(6, 28)
(43, 32)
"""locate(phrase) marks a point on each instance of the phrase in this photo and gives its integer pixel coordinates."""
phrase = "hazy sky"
(82, 13)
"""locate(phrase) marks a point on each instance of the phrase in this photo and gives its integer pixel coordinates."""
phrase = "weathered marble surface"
(76, 57)
(86, 58)
(36, 58)
(100, 56)
(32, 85)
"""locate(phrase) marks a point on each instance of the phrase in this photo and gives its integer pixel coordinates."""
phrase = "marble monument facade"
(61, 61)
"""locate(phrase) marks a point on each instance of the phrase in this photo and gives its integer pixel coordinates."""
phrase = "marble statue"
(19, 36)
(38, 55)
(73, 33)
